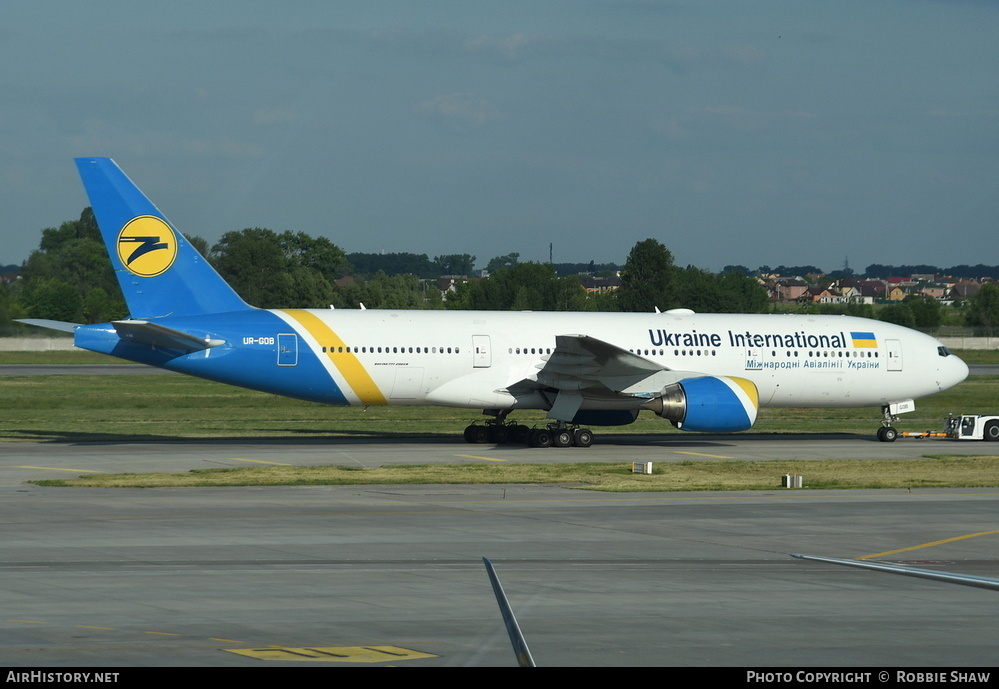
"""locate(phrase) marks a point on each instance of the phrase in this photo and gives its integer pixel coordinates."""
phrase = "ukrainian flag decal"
(864, 340)
(147, 246)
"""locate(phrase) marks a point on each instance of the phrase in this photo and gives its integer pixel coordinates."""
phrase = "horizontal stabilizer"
(144, 332)
(51, 325)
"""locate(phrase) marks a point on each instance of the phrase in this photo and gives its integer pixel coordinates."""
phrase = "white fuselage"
(470, 359)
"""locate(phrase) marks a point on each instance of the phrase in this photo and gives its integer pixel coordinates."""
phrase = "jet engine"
(714, 404)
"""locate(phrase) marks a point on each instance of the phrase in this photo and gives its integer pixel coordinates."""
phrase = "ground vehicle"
(964, 427)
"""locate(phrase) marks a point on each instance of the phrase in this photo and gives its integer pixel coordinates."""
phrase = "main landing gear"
(887, 433)
(499, 432)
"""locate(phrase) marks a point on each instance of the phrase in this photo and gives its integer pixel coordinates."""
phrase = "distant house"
(594, 285)
(449, 283)
(964, 289)
(876, 289)
(933, 291)
(786, 290)
(821, 295)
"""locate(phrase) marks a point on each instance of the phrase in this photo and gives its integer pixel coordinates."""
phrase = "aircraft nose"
(954, 371)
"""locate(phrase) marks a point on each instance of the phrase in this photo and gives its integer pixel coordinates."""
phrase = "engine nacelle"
(714, 404)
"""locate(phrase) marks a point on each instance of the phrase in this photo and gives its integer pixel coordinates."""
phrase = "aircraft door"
(287, 349)
(893, 349)
(481, 351)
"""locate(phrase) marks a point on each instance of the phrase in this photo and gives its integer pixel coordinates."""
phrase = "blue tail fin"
(160, 273)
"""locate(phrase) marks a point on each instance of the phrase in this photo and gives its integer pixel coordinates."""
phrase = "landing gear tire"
(887, 434)
(541, 437)
(477, 434)
(522, 434)
(582, 437)
(562, 438)
(499, 434)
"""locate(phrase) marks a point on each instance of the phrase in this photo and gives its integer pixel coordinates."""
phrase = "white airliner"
(702, 372)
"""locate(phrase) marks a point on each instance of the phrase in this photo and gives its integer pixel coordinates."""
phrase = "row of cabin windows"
(676, 352)
(542, 350)
(705, 352)
(391, 350)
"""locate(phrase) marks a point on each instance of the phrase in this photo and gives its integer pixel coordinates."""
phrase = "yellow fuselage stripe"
(350, 367)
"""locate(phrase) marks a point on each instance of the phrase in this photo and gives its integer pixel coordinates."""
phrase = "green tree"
(200, 244)
(983, 306)
(272, 270)
(499, 262)
(898, 313)
(454, 264)
(926, 312)
(649, 278)
(71, 264)
(53, 299)
(742, 294)
(382, 291)
(524, 287)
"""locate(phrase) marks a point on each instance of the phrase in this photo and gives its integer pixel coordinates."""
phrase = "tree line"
(69, 278)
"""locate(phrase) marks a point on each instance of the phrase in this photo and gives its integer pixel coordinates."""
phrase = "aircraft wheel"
(469, 431)
(582, 437)
(992, 430)
(562, 438)
(541, 437)
(499, 434)
(887, 434)
(477, 434)
(522, 434)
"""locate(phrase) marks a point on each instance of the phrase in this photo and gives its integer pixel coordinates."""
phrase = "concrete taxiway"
(393, 575)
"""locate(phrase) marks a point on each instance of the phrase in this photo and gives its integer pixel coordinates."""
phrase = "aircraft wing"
(584, 363)
(583, 368)
(581, 362)
(950, 578)
(524, 657)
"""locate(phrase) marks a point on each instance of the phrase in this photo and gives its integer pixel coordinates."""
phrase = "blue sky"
(734, 132)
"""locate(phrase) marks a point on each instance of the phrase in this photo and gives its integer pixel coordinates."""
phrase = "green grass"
(71, 408)
(69, 356)
(116, 407)
(941, 471)
(978, 357)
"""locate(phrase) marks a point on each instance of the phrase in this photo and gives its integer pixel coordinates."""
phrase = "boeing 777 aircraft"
(702, 372)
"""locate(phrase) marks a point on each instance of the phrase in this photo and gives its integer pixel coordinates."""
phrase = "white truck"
(964, 427)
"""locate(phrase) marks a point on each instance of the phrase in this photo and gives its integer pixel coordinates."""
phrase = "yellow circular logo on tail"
(147, 246)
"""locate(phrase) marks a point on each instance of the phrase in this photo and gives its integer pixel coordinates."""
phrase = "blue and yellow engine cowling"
(712, 404)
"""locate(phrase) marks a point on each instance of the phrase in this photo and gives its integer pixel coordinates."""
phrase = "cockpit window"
(943, 351)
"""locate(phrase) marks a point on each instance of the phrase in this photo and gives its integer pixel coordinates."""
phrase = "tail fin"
(160, 273)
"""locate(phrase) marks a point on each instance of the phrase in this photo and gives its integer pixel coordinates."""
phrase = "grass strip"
(110, 408)
(932, 471)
